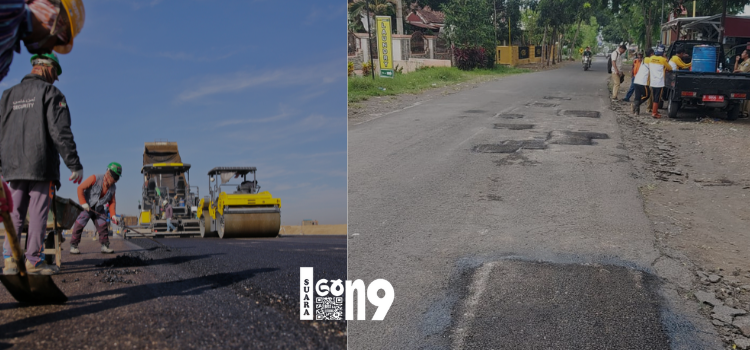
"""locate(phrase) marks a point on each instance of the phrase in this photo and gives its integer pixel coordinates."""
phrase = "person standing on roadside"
(743, 67)
(34, 134)
(633, 70)
(657, 67)
(640, 81)
(617, 73)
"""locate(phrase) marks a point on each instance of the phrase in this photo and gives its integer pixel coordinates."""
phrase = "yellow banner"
(383, 26)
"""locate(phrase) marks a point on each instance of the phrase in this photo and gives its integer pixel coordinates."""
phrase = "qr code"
(329, 308)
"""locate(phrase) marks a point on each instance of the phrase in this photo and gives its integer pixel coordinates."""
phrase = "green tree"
(469, 24)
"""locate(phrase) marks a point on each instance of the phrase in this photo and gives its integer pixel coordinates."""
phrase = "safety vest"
(93, 195)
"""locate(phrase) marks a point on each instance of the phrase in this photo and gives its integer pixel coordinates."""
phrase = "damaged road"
(494, 233)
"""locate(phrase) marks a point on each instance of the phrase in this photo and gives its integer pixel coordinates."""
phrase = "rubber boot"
(655, 110)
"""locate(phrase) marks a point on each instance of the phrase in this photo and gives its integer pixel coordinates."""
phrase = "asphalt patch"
(538, 305)
(514, 126)
(113, 276)
(130, 259)
(556, 98)
(541, 104)
(577, 138)
(509, 146)
(583, 114)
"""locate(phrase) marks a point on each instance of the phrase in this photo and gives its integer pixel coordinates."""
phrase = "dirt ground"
(376, 107)
(694, 175)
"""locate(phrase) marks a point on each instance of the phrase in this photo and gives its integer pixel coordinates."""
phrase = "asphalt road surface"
(506, 217)
(192, 293)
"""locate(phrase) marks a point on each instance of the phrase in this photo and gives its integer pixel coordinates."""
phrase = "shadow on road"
(126, 296)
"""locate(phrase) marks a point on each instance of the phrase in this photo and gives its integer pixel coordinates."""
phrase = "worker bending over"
(95, 194)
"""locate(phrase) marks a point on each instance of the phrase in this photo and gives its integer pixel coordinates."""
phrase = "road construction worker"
(34, 134)
(657, 67)
(94, 194)
(43, 26)
(677, 61)
(168, 215)
(640, 81)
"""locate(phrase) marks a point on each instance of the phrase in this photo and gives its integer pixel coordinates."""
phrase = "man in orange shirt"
(94, 194)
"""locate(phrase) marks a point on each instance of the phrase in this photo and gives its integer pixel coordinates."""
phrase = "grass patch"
(361, 88)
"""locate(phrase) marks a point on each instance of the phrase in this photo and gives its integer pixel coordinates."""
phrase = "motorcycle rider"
(587, 53)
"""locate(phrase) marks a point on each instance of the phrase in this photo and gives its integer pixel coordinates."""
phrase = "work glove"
(114, 220)
(86, 207)
(76, 176)
(6, 204)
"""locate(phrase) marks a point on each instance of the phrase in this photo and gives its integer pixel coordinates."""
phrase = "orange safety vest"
(636, 65)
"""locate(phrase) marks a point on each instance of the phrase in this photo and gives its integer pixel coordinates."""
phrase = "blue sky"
(234, 83)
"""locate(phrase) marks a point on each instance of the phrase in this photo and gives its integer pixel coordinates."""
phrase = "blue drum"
(704, 58)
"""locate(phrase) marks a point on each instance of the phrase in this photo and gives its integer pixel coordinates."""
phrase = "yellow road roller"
(241, 212)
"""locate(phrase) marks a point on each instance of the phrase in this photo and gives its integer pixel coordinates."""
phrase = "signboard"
(523, 52)
(385, 54)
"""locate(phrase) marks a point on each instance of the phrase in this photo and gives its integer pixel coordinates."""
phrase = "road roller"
(241, 210)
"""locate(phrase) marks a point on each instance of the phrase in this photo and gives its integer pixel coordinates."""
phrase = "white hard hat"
(165, 202)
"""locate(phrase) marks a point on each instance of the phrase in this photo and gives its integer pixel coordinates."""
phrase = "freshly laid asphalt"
(506, 217)
(191, 293)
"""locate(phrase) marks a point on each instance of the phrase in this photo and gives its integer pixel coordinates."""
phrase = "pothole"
(492, 197)
(513, 126)
(515, 159)
(565, 137)
(582, 114)
(509, 146)
(541, 104)
(510, 116)
(556, 98)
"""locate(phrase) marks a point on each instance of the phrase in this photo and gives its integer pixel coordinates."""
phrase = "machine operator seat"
(180, 190)
(247, 187)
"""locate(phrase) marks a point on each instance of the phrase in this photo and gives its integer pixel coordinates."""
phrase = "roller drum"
(244, 225)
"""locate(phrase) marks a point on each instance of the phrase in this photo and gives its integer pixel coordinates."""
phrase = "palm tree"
(358, 8)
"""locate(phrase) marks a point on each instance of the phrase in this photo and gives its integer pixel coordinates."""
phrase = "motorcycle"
(586, 62)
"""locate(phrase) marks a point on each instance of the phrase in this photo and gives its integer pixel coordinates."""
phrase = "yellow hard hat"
(76, 17)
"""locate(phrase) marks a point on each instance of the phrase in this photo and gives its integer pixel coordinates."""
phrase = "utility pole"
(399, 18)
(661, 23)
(723, 19)
(369, 29)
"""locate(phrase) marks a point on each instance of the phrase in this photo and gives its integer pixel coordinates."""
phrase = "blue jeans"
(170, 227)
(631, 90)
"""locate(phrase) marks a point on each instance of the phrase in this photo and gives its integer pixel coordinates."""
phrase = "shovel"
(25, 288)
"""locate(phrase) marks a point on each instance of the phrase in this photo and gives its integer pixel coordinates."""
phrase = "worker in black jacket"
(34, 134)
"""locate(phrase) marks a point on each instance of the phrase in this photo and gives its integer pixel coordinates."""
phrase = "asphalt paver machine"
(167, 178)
(240, 212)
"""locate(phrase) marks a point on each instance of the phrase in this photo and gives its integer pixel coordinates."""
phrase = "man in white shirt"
(640, 81)
(616, 58)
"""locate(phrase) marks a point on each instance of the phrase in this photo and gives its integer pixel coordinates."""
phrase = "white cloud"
(280, 116)
(312, 75)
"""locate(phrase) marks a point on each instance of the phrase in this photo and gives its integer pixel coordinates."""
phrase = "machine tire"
(673, 108)
(220, 226)
(585, 67)
(206, 231)
(733, 112)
